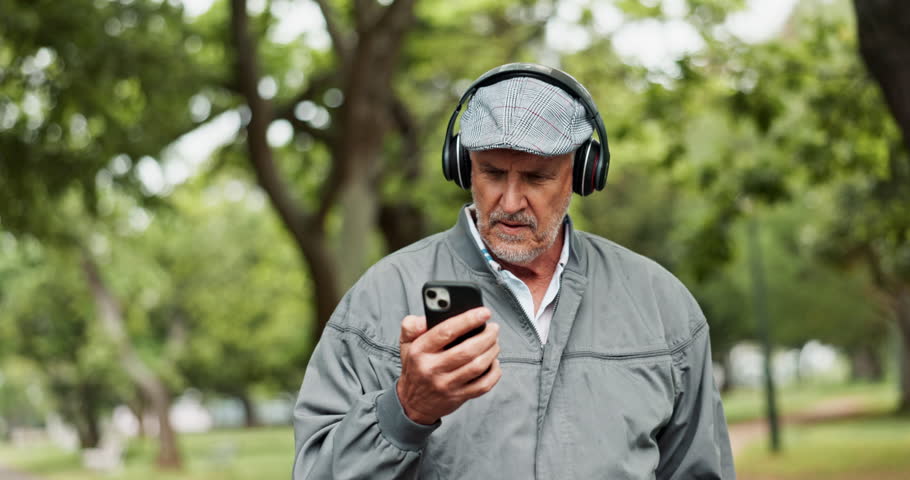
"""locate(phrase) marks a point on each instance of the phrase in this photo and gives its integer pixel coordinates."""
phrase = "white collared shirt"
(544, 315)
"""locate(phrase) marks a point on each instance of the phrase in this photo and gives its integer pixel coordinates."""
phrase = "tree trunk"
(727, 364)
(364, 119)
(111, 318)
(359, 201)
(77, 403)
(401, 224)
(308, 236)
(168, 450)
(89, 433)
(251, 419)
(883, 28)
(137, 407)
(902, 311)
(866, 365)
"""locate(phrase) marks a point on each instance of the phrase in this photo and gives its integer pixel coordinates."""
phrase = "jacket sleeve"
(347, 425)
(695, 443)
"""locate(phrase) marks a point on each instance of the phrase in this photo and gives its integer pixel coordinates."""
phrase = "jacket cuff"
(396, 427)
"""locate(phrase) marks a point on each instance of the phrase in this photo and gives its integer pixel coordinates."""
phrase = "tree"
(794, 129)
(63, 64)
(355, 89)
(883, 29)
(44, 321)
(240, 308)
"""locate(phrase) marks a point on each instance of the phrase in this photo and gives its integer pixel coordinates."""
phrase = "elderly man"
(595, 362)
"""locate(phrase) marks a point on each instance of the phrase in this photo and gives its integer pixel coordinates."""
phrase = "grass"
(876, 446)
(873, 447)
(749, 404)
(223, 454)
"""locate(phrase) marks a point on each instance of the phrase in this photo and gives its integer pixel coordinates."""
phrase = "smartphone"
(443, 300)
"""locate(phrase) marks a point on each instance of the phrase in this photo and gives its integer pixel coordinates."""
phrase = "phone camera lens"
(443, 304)
(431, 294)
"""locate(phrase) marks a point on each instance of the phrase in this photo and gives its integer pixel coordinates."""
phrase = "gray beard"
(509, 248)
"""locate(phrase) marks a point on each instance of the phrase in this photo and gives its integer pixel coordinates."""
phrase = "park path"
(745, 433)
(14, 475)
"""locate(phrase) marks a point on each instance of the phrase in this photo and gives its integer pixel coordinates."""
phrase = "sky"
(652, 43)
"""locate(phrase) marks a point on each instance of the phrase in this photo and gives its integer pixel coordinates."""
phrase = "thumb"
(412, 327)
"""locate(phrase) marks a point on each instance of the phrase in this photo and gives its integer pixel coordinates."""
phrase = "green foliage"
(807, 131)
(229, 454)
(243, 304)
(45, 320)
(81, 82)
(23, 398)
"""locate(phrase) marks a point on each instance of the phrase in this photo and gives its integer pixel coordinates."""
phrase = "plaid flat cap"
(524, 114)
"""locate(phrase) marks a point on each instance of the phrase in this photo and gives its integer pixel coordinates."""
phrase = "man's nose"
(513, 199)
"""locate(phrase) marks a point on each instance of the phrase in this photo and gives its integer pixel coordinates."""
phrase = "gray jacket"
(621, 390)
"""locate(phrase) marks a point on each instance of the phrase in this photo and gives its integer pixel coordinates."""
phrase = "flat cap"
(524, 114)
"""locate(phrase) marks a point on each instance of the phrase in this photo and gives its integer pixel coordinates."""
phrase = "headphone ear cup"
(589, 172)
(580, 167)
(448, 159)
(599, 171)
(456, 163)
(465, 165)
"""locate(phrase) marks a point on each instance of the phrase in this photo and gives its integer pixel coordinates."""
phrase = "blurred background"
(187, 187)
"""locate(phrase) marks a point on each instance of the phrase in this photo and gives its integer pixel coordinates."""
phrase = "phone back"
(443, 300)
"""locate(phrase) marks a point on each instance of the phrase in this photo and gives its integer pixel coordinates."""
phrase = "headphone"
(592, 158)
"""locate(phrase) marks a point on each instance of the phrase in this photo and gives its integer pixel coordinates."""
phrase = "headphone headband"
(552, 76)
(559, 79)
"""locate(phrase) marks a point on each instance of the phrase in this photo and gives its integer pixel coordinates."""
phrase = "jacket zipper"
(517, 305)
(556, 299)
(514, 300)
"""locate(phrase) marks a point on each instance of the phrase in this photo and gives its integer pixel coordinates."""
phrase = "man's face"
(521, 200)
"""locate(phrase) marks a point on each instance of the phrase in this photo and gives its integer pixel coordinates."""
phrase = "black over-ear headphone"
(592, 158)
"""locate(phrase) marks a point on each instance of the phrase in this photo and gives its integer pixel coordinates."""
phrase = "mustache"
(517, 217)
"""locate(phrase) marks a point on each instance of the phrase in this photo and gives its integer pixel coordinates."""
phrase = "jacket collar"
(462, 244)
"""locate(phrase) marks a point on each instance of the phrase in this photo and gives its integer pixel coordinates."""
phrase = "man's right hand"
(435, 382)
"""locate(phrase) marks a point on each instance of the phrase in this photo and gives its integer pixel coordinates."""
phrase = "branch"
(177, 337)
(318, 84)
(286, 111)
(331, 185)
(267, 174)
(341, 41)
(401, 221)
(324, 136)
(364, 11)
(307, 234)
(883, 43)
(110, 315)
(331, 188)
(396, 17)
(409, 130)
(178, 135)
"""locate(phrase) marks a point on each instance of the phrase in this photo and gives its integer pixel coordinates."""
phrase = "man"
(595, 363)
